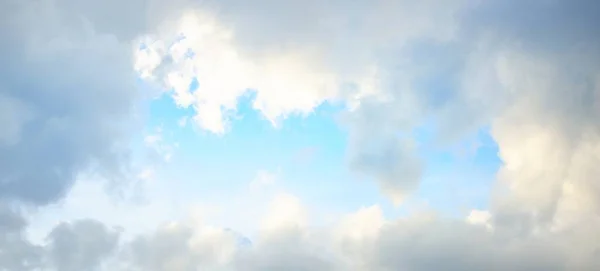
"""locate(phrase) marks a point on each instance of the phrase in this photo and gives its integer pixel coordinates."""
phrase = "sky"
(186, 135)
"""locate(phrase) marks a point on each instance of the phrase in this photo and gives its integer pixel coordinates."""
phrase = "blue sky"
(309, 156)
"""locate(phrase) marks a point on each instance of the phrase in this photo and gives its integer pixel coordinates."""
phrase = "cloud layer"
(528, 69)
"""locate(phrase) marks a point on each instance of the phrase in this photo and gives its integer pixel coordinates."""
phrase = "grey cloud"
(165, 250)
(410, 244)
(349, 35)
(546, 77)
(125, 20)
(547, 130)
(560, 34)
(538, 24)
(81, 245)
(16, 252)
(287, 249)
(457, 85)
(548, 139)
(68, 94)
(534, 79)
(10, 220)
(453, 245)
(393, 163)
(183, 247)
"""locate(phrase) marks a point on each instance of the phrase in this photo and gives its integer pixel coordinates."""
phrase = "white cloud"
(292, 74)
(482, 218)
(285, 211)
(364, 224)
(225, 75)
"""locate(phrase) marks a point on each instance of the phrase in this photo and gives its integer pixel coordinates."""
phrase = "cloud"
(79, 245)
(452, 245)
(82, 245)
(67, 92)
(343, 56)
(286, 211)
(534, 80)
(529, 69)
(181, 246)
(500, 62)
(16, 253)
(390, 159)
(361, 241)
(207, 53)
(300, 59)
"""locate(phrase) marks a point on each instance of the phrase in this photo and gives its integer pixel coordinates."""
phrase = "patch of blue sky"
(309, 154)
(459, 177)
